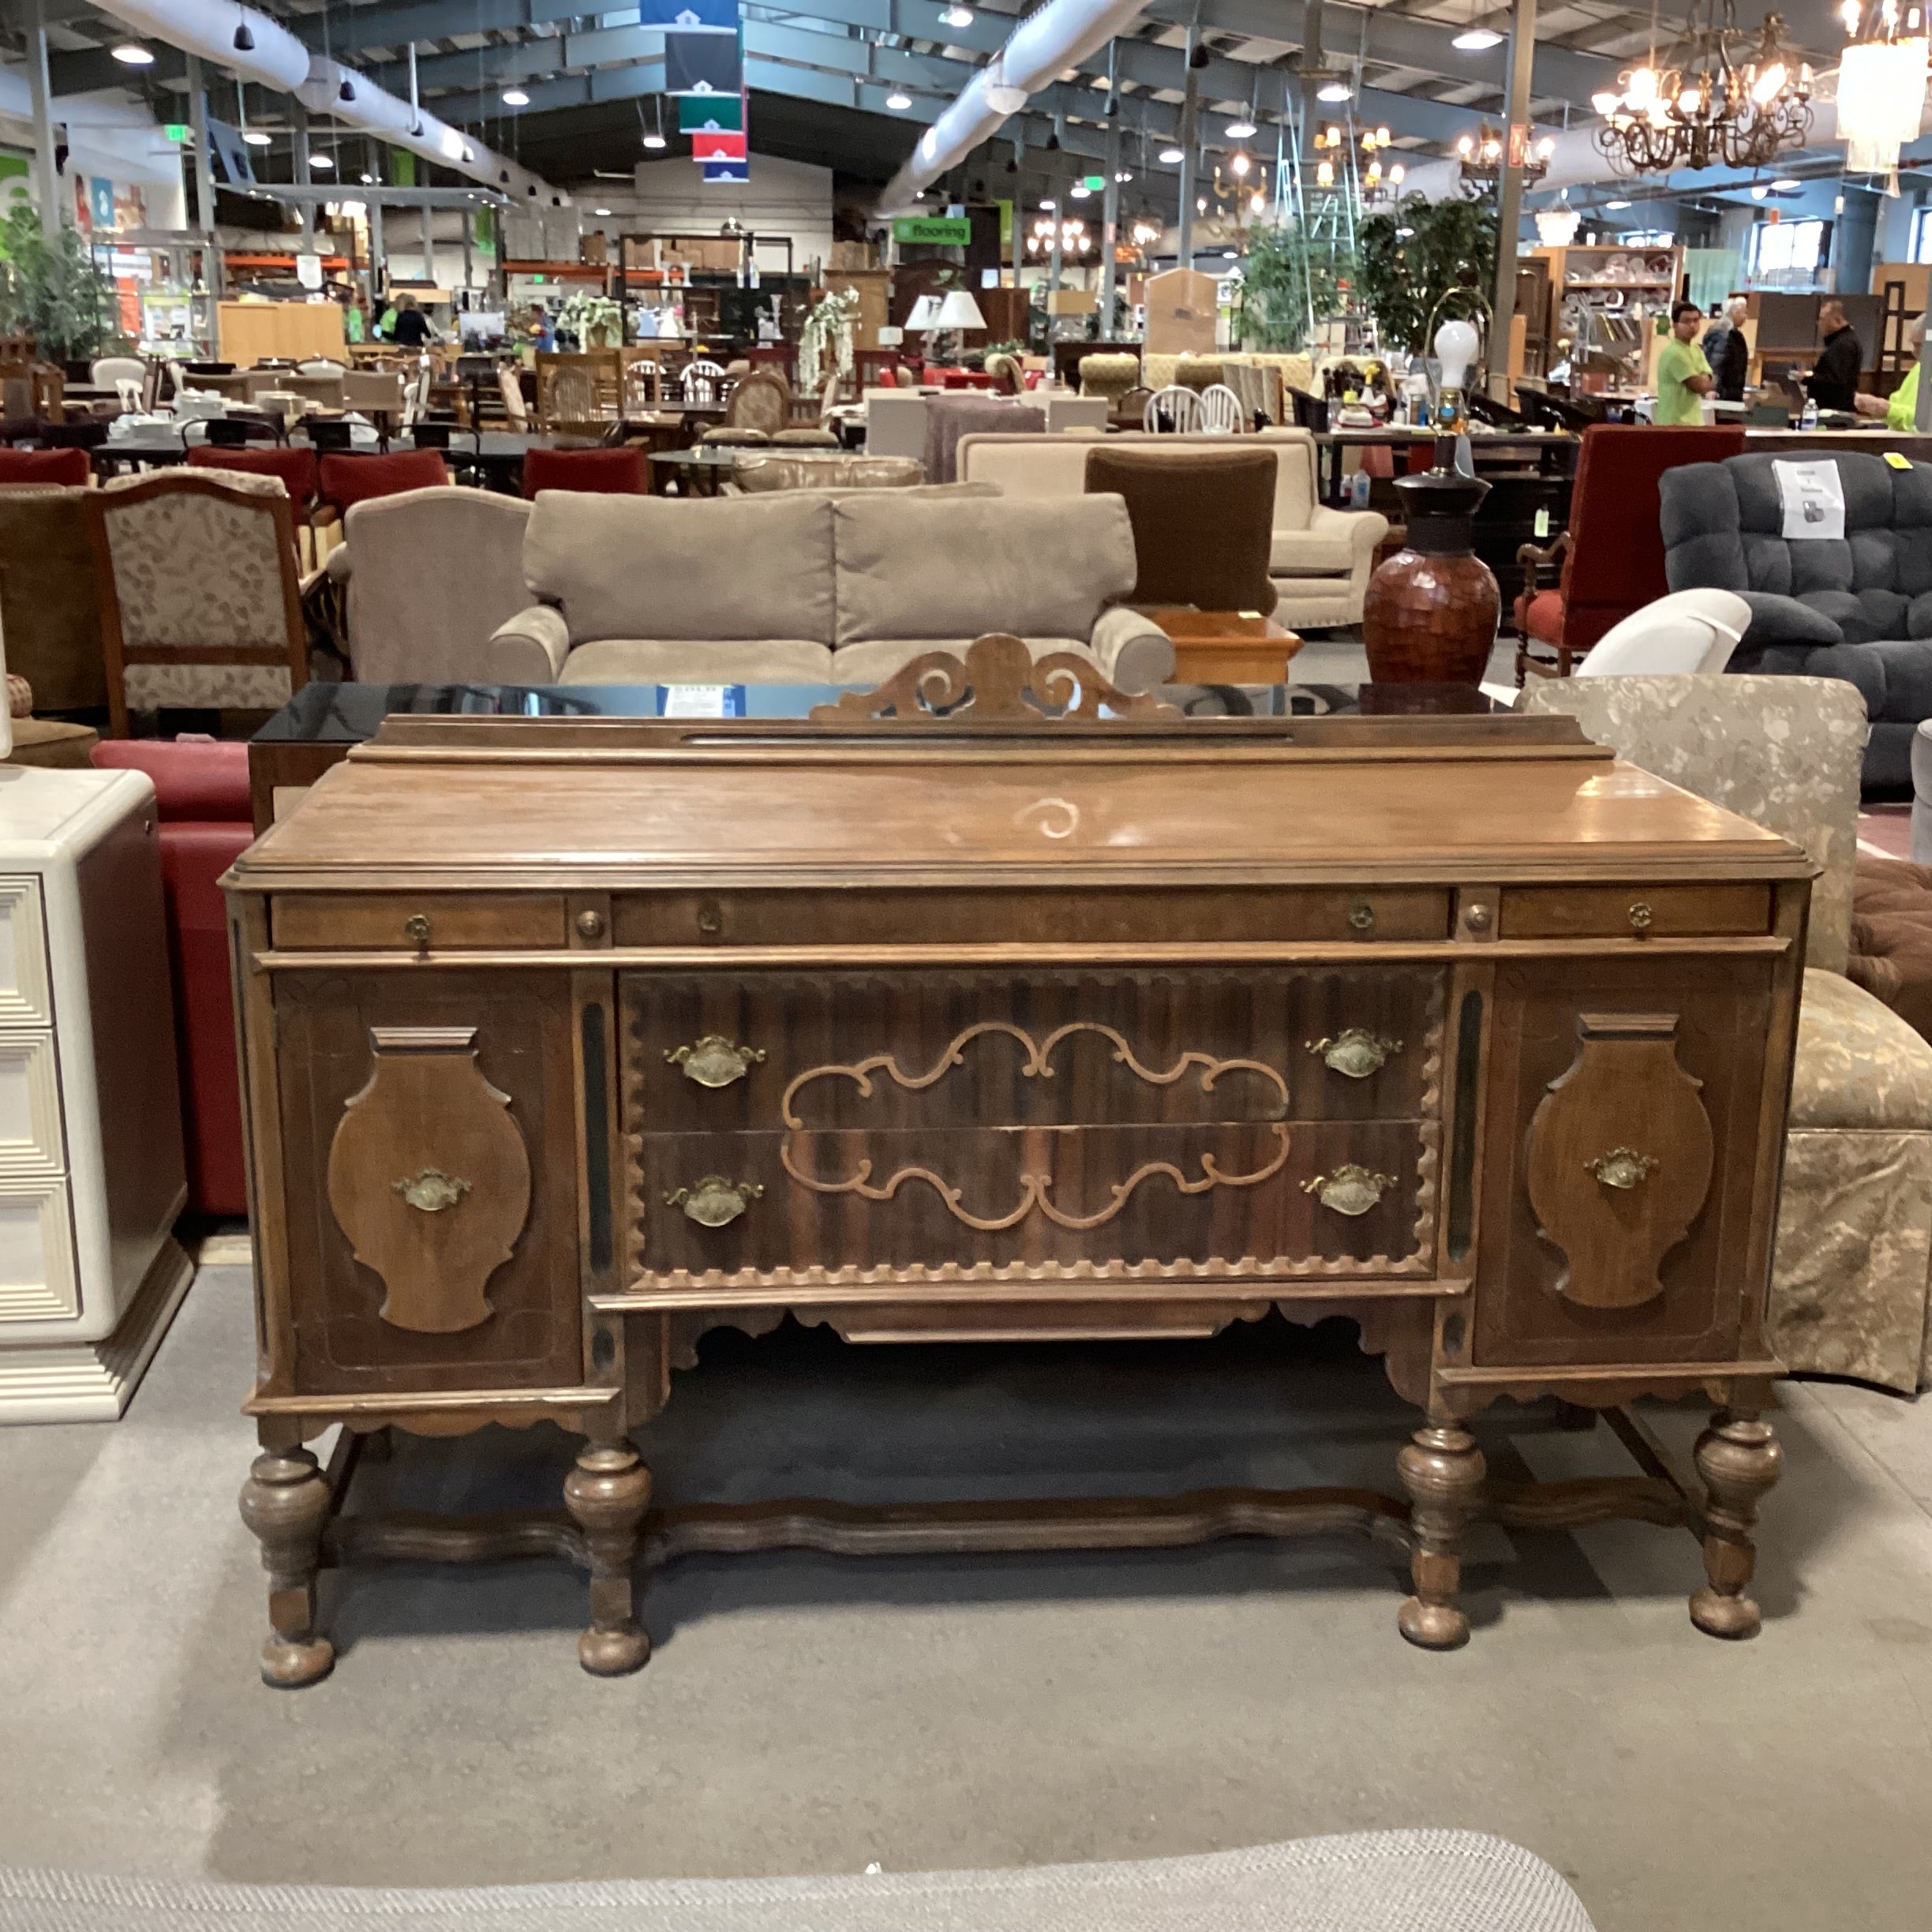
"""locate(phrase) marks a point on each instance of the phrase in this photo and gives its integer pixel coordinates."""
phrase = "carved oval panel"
(428, 1177)
(1621, 1153)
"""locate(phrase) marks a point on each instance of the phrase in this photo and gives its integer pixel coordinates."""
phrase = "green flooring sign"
(944, 230)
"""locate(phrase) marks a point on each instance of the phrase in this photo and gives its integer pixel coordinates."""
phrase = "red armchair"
(597, 472)
(1612, 552)
(202, 789)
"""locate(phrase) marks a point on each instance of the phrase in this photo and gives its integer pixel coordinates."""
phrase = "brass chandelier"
(1717, 97)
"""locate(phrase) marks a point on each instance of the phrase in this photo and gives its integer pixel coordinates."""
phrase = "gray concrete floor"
(805, 1715)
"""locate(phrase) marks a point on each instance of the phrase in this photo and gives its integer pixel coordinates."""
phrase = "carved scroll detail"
(434, 1240)
(1035, 1189)
(1616, 1216)
(1007, 683)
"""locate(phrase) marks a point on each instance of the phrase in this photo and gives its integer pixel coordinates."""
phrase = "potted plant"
(596, 321)
(51, 290)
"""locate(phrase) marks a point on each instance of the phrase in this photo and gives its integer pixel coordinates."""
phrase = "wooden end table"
(1226, 647)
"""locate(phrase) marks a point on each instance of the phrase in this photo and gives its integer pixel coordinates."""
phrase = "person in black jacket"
(1834, 376)
(413, 330)
(1728, 352)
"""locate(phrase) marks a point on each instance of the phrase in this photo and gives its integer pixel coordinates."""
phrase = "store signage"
(309, 270)
(709, 113)
(941, 230)
(177, 132)
(1096, 182)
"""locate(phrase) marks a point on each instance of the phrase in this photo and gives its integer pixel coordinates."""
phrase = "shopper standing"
(1683, 377)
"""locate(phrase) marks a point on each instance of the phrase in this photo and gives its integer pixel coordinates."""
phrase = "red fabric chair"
(1613, 551)
(69, 466)
(595, 472)
(347, 481)
(202, 791)
(296, 467)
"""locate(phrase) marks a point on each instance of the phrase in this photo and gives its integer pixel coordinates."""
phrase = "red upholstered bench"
(202, 788)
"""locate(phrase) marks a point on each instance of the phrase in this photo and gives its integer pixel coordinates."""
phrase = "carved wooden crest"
(1620, 1152)
(428, 1177)
(1001, 682)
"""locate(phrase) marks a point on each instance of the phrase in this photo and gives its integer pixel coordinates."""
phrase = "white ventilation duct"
(250, 44)
(1060, 35)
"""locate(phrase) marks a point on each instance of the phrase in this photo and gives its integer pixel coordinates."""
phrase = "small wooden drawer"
(1633, 911)
(389, 923)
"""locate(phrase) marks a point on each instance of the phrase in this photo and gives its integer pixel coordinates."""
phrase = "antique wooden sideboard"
(565, 1042)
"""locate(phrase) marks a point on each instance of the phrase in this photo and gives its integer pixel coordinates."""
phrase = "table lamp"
(925, 316)
(960, 311)
(1456, 344)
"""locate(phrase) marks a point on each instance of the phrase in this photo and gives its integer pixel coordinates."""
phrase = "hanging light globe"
(1881, 83)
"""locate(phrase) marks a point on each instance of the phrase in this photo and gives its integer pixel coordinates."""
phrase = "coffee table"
(1226, 647)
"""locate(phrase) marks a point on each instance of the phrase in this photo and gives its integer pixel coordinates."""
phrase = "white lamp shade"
(925, 313)
(1455, 349)
(960, 311)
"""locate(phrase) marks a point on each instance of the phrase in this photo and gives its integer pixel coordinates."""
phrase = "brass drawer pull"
(431, 1189)
(714, 1061)
(416, 929)
(1624, 1167)
(1361, 916)
(1350, 1189)
(714, 1201)
(1640, 917)
(1355, 1051)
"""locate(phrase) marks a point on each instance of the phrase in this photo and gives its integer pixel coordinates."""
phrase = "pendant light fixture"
(1881, 83)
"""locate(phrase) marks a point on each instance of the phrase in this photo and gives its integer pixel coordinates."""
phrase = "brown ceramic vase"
(1432, 609)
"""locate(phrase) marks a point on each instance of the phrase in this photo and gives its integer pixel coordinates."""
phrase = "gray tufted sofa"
(1858, 608)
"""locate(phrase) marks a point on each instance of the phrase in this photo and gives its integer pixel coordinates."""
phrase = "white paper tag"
(1813, 498)
(702, 701)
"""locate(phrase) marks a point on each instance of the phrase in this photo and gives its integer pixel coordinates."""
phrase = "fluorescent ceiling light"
(132, 54)
(256, 138)
(1333, 91)
(1476, 40)
(1787, 186)
(654, 140)
(1123, 175)
(325, 162)
(1240, 130)
(1759, 192)
(1079, 191)
(1230, 255)
(1171, 157)
(1617, 208)
(600, 211)
(516, 97)
(369, 180)
(897, 101)
(1048, 207)
(956, 17)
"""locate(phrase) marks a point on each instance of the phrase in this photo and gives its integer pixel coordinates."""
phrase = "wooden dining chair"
(200, 598)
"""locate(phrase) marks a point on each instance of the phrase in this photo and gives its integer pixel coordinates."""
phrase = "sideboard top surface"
(654, 805)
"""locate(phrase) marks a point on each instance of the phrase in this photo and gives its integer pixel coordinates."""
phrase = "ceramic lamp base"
(1430, 618)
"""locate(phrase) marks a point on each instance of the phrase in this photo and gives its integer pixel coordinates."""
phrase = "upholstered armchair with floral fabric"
(1849, 1292)
(200, 600)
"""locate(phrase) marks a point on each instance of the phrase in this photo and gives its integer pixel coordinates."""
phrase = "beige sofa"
(805, 587)
(1321, 559)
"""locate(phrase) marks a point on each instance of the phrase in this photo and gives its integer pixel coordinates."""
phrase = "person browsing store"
(1683, 374)
(1833, 383)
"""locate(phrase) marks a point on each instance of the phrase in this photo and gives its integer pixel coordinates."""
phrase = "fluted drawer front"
(1286, 1198)
(924, 1050)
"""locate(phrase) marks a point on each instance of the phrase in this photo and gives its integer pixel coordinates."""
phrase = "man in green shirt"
(1683, 377)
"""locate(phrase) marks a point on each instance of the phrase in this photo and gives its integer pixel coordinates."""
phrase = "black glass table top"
(321, 713)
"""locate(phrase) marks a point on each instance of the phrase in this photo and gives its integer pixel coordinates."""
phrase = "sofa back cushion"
(655, 567)
(910, 567)
(1202, 518)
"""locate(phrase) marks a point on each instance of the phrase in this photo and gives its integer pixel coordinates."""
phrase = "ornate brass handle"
(1350, 1189)
(1361, 916)
(416, 930)
(431, 1189)
(1640, 917)
(715, 1200)
(1624, 1167)
(714, 1061)
(1355, 1051)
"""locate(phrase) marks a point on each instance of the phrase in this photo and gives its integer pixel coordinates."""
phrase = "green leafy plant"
(50, 289)
(1402, 276)
(594, 320)
(1287, 277)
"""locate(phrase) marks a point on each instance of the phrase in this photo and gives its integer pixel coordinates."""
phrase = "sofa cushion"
(1859, 1064)
(699, 660)
(737, 567)
(1036, 567)
(876, 659)
(1892, 938)
(1780, 619)
(193, 778)
(1203, 517)
(1311, 553)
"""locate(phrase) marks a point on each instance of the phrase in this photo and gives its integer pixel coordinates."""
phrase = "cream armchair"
(1849, 1294)
(1321, 560)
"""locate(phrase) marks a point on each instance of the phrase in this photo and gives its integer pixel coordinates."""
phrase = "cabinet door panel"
(1623, 1111)
(462, 1083)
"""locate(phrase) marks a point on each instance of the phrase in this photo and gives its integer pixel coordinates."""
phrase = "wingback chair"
(1612, 556)
(429, 574)
(1854, 1247)
(200, 603)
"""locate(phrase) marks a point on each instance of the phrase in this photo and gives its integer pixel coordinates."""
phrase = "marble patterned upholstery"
(1849, 1288)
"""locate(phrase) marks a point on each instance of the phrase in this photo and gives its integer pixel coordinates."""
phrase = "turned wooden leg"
(1442, 1472)
(286, 1502)
(1739, 1459)
(607, 1494)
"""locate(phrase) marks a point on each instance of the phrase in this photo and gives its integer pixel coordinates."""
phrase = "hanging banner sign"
(702, 63)
(689, 16)
(727, 171)
(941, 231)
(716, 145)
(702, 113)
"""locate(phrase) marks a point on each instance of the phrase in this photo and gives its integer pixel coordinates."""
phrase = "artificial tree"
(1411, 258)
(51, 290)
(1290, 280)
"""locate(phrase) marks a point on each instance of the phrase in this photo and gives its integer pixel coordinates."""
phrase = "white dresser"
(92, 1173)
